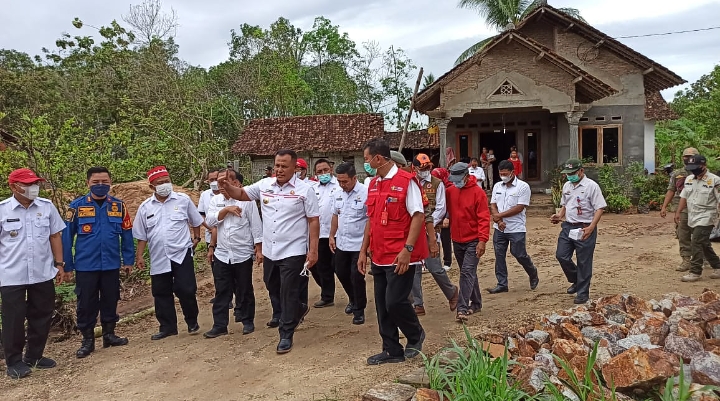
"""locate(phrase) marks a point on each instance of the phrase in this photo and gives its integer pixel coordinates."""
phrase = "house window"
(601, 144)
(507, 89)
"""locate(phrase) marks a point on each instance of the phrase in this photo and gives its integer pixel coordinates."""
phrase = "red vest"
(386, 241)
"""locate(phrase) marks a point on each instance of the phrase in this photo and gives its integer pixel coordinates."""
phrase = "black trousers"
(394, 310)
(324, 271)
(180, 281)
(351, 279)
(97, 291)
(34, 303)
(446, 246)
(285, 285)
(235, 278)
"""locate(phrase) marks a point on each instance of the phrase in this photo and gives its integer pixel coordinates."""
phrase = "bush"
(652, 192)
(617, 203)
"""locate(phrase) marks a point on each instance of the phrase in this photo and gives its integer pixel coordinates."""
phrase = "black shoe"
(42, 363)
(230, 305)
(273, 323)
(162, 334)
(18, 371)
(581, 300)
(284, 346)
(215, 333)
(572, 289)
(359, 319)
(212, 300)
(498, 289)
(248, 328)
(193, 328)
(238, 319)
(413, 350)
(534, 283)
(109, 337)
(349, 309)
(88, 344)
(323, 304)
(302, 317)
(384, 357)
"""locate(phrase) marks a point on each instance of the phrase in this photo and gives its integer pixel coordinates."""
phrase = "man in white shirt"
(237, 237)
(291, 230)
(162, 224)
(477, 171)
(204, 201)
(346, 236)
(301, 170)
(31, 256)
(509, 199)
(582, 206)
(326, 190)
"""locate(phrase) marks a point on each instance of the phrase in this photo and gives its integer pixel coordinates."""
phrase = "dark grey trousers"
(516, 241)
(441, 278)
(701, 249)
(581, 273)
(470, 298)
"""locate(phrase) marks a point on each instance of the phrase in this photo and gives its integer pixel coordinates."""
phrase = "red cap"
(157, 172)
(301, 163)
(23, 176)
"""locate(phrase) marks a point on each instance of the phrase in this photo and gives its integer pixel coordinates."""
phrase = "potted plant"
(556, 185)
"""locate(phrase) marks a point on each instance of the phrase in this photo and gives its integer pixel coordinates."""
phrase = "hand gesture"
(480, 249)
(236, 210)
(402, 262)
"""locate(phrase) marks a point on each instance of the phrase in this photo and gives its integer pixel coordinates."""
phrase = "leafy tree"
(499, 13)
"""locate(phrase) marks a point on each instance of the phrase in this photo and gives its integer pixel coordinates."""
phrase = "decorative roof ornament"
(510, 26)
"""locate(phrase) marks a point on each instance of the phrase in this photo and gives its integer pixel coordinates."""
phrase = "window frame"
(600, 143)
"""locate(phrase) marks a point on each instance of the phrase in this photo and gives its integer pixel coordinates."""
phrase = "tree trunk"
(412, 106)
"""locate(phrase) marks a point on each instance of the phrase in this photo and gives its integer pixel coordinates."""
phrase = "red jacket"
(517, 165)
(469, 212)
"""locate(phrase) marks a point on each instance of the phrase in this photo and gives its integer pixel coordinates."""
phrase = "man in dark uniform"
(104, 243)
(683, 231)
(395, 237)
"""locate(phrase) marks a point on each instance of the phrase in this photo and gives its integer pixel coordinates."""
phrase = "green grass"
(683, 392)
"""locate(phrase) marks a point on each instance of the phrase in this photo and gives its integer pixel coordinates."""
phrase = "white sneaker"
(715, 274)
(690, 278)
(447, 268)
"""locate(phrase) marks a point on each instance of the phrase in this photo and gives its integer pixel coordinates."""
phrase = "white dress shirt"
(326, 195)
(479, 173)
(25, 254)
(351, 213)
(367, 181)
(203, 205)
(440, 203)
(581, 201)
(236, 236)
(507, 197)
(285, 210)
(165, 227)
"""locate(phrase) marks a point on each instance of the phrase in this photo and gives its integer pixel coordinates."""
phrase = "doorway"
(464, 145)
(500, 143)
(531, 163)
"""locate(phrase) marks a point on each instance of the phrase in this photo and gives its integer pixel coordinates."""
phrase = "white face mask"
(214, 186)
(424, 175)
(31, 192)
(164, 189)
(506, 178)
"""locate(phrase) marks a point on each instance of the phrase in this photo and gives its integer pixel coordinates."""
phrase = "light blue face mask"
(461, 184)
(368, 169)
(324, 178)
(573, 178)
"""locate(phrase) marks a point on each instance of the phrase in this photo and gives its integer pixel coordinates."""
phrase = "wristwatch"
(59, 264)
(211, 246)
(409, 248)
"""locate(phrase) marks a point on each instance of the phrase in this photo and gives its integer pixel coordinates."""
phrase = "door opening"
(464, 145)
(500, 143)
(532, 160)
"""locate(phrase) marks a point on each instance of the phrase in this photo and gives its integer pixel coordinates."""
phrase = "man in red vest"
(395, 237)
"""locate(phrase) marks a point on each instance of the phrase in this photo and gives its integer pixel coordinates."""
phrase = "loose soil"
(635, 254)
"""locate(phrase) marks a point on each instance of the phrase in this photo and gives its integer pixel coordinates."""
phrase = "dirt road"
(635, 254)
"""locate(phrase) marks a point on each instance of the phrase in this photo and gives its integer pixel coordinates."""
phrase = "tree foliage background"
(118, 95)
(699, 109)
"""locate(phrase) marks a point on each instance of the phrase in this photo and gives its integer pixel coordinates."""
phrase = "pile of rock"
(640, 343)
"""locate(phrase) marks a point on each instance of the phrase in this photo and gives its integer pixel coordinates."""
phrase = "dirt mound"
(135, 193)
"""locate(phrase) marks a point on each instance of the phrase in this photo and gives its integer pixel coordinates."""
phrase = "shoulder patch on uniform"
(127, 223)
(70, 214)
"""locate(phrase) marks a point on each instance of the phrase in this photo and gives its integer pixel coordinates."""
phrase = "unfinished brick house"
(554, 87)
(336, 137)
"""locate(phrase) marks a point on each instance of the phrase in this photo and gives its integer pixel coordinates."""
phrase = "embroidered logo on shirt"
(86, 211)
(70, 214)
(397, 189)
(86, 228)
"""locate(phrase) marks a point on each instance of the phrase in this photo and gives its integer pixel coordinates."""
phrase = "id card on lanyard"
(384, 214)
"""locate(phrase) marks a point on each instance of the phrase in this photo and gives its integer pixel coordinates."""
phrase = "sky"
(432, 32)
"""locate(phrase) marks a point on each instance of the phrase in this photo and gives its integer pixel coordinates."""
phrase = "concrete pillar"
(442, 124)
(573, 118)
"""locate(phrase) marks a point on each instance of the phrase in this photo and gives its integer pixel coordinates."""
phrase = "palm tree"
(499, 13)
(428, 80)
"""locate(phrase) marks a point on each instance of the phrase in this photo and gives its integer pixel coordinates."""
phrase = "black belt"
(578, 224)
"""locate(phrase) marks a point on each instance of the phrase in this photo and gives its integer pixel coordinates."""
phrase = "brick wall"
(540, 32)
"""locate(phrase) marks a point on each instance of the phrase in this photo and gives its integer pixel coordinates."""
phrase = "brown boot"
(684, 266)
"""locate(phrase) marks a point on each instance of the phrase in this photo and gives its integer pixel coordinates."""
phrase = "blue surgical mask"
(100, 190)
(573, 178)
(324, 178)
(368, 169)
(461, 184)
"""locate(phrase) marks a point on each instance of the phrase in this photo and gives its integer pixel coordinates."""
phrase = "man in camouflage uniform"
(683, 231)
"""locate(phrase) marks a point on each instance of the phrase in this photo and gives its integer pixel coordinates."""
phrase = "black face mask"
(698, 171)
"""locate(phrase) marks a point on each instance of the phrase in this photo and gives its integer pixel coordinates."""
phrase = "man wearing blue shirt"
(101, 230)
